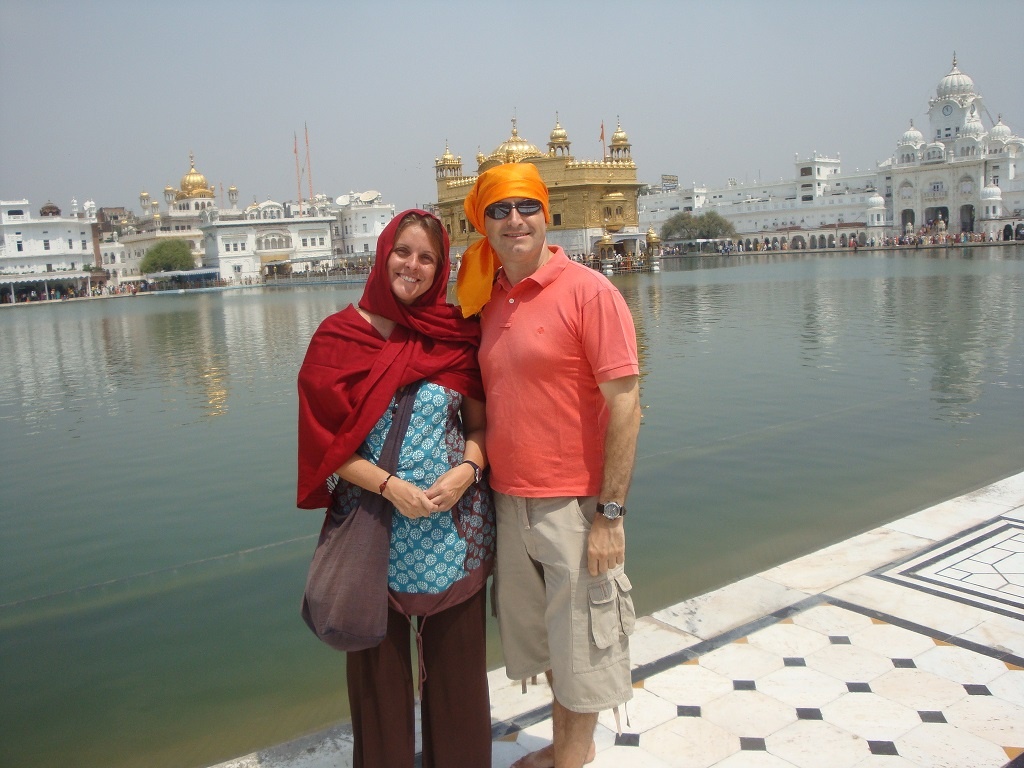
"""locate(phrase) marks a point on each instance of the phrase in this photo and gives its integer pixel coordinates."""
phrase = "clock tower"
(954, 110)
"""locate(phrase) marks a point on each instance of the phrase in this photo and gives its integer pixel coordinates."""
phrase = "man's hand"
(606, 545)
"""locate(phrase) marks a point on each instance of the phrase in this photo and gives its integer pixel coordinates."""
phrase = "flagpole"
(309, 166)
(298, 177)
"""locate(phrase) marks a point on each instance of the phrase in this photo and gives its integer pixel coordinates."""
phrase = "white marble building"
(49, 242)
(265, 239)
(362, 216)
(961, 178)
(179, 218)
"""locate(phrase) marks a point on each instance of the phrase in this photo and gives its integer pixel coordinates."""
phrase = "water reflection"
(148, 451)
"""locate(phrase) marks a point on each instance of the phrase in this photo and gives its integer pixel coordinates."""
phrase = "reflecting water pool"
(153, 561)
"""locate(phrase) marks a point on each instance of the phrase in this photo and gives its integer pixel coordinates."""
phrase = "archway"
(1008, 232)
(831, 241)
(967, 218)
(907, 217)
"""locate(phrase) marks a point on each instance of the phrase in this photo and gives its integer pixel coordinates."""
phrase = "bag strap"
(392, 447)
(399, 425)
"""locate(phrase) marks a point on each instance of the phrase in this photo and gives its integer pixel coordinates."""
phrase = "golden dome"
(619, 137)
(447, 158)
(515, 148)
(558, 133)
(193, 183)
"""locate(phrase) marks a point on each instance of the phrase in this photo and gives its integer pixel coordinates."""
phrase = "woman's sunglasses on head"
(500, 211)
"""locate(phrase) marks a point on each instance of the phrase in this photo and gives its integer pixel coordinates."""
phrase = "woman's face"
(412, 264)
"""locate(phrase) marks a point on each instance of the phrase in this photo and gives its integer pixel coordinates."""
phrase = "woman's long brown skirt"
(455, 710)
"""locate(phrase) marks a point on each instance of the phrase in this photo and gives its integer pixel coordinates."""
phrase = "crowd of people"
(65, 293)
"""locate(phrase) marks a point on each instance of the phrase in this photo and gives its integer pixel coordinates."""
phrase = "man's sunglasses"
(498, 211)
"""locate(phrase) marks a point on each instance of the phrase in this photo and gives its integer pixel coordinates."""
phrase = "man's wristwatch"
(477, 472)
(611, 509)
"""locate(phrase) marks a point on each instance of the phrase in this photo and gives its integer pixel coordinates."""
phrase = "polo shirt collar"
(546, 273)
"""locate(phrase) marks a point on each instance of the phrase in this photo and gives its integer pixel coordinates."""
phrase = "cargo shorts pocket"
(611, 611)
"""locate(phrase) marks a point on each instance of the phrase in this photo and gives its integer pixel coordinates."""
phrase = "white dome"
(1000, 130)
(974, 128)
(955, 84)
(991, 192)
(912, 136)
(876, 201)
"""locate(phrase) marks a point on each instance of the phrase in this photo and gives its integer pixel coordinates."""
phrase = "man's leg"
(572, 744)
(573, 736)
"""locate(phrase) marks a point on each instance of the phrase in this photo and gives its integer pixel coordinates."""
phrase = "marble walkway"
(901, 647)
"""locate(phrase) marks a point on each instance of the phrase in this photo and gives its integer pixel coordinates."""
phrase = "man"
(561, 376)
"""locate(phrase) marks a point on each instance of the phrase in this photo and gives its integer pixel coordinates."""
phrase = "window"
(366, 247)
(364, 228)
(462, 226)
(321, 241)
(556, 219)
(46, 245)
(805, 171)
(305, 242)
(83, 245)
(71, 243)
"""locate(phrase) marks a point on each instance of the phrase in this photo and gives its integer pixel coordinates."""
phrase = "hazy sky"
(101, 100)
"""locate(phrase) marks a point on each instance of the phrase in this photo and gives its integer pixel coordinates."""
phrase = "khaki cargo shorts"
(552, 613)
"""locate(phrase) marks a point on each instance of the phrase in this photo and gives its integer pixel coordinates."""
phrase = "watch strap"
(477, 472)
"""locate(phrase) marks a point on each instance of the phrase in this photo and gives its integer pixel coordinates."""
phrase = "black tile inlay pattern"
(904, 664)
(931, 716)
(839, 640)
(858, 688)
(751, 744)
(687, 711)
(794, 661)
(882, 748)
(627, 740)
(808, 713)
(977, 690)
(744, 685)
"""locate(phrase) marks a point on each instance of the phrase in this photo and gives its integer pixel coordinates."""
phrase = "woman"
(405, 333)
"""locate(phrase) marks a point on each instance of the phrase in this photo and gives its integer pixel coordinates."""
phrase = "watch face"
(947, 110)
(611, 510)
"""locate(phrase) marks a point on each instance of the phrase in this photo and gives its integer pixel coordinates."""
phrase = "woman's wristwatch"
(477, 472)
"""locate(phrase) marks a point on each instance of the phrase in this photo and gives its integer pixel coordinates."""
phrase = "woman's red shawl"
(350, 372)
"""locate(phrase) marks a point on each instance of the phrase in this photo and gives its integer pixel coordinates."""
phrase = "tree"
(707, 226)
(167, 256)
(679, 227)
(712, 225)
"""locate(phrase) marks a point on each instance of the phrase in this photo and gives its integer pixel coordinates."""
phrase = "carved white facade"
(47, 243)
(960, 178)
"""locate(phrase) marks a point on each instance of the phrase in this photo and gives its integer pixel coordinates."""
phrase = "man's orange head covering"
(480, 262)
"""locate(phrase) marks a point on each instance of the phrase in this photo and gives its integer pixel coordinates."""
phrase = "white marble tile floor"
(899, 648)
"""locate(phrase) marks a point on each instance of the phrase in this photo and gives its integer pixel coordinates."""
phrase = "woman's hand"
(450, 487)
(408, 499)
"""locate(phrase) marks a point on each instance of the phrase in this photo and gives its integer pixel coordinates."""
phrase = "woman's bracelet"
(477, 472)
(384, 484)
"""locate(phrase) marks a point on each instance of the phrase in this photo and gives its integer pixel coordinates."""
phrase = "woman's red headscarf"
(350, 373)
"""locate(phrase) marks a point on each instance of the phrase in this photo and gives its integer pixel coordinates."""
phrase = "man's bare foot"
(545, 757)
